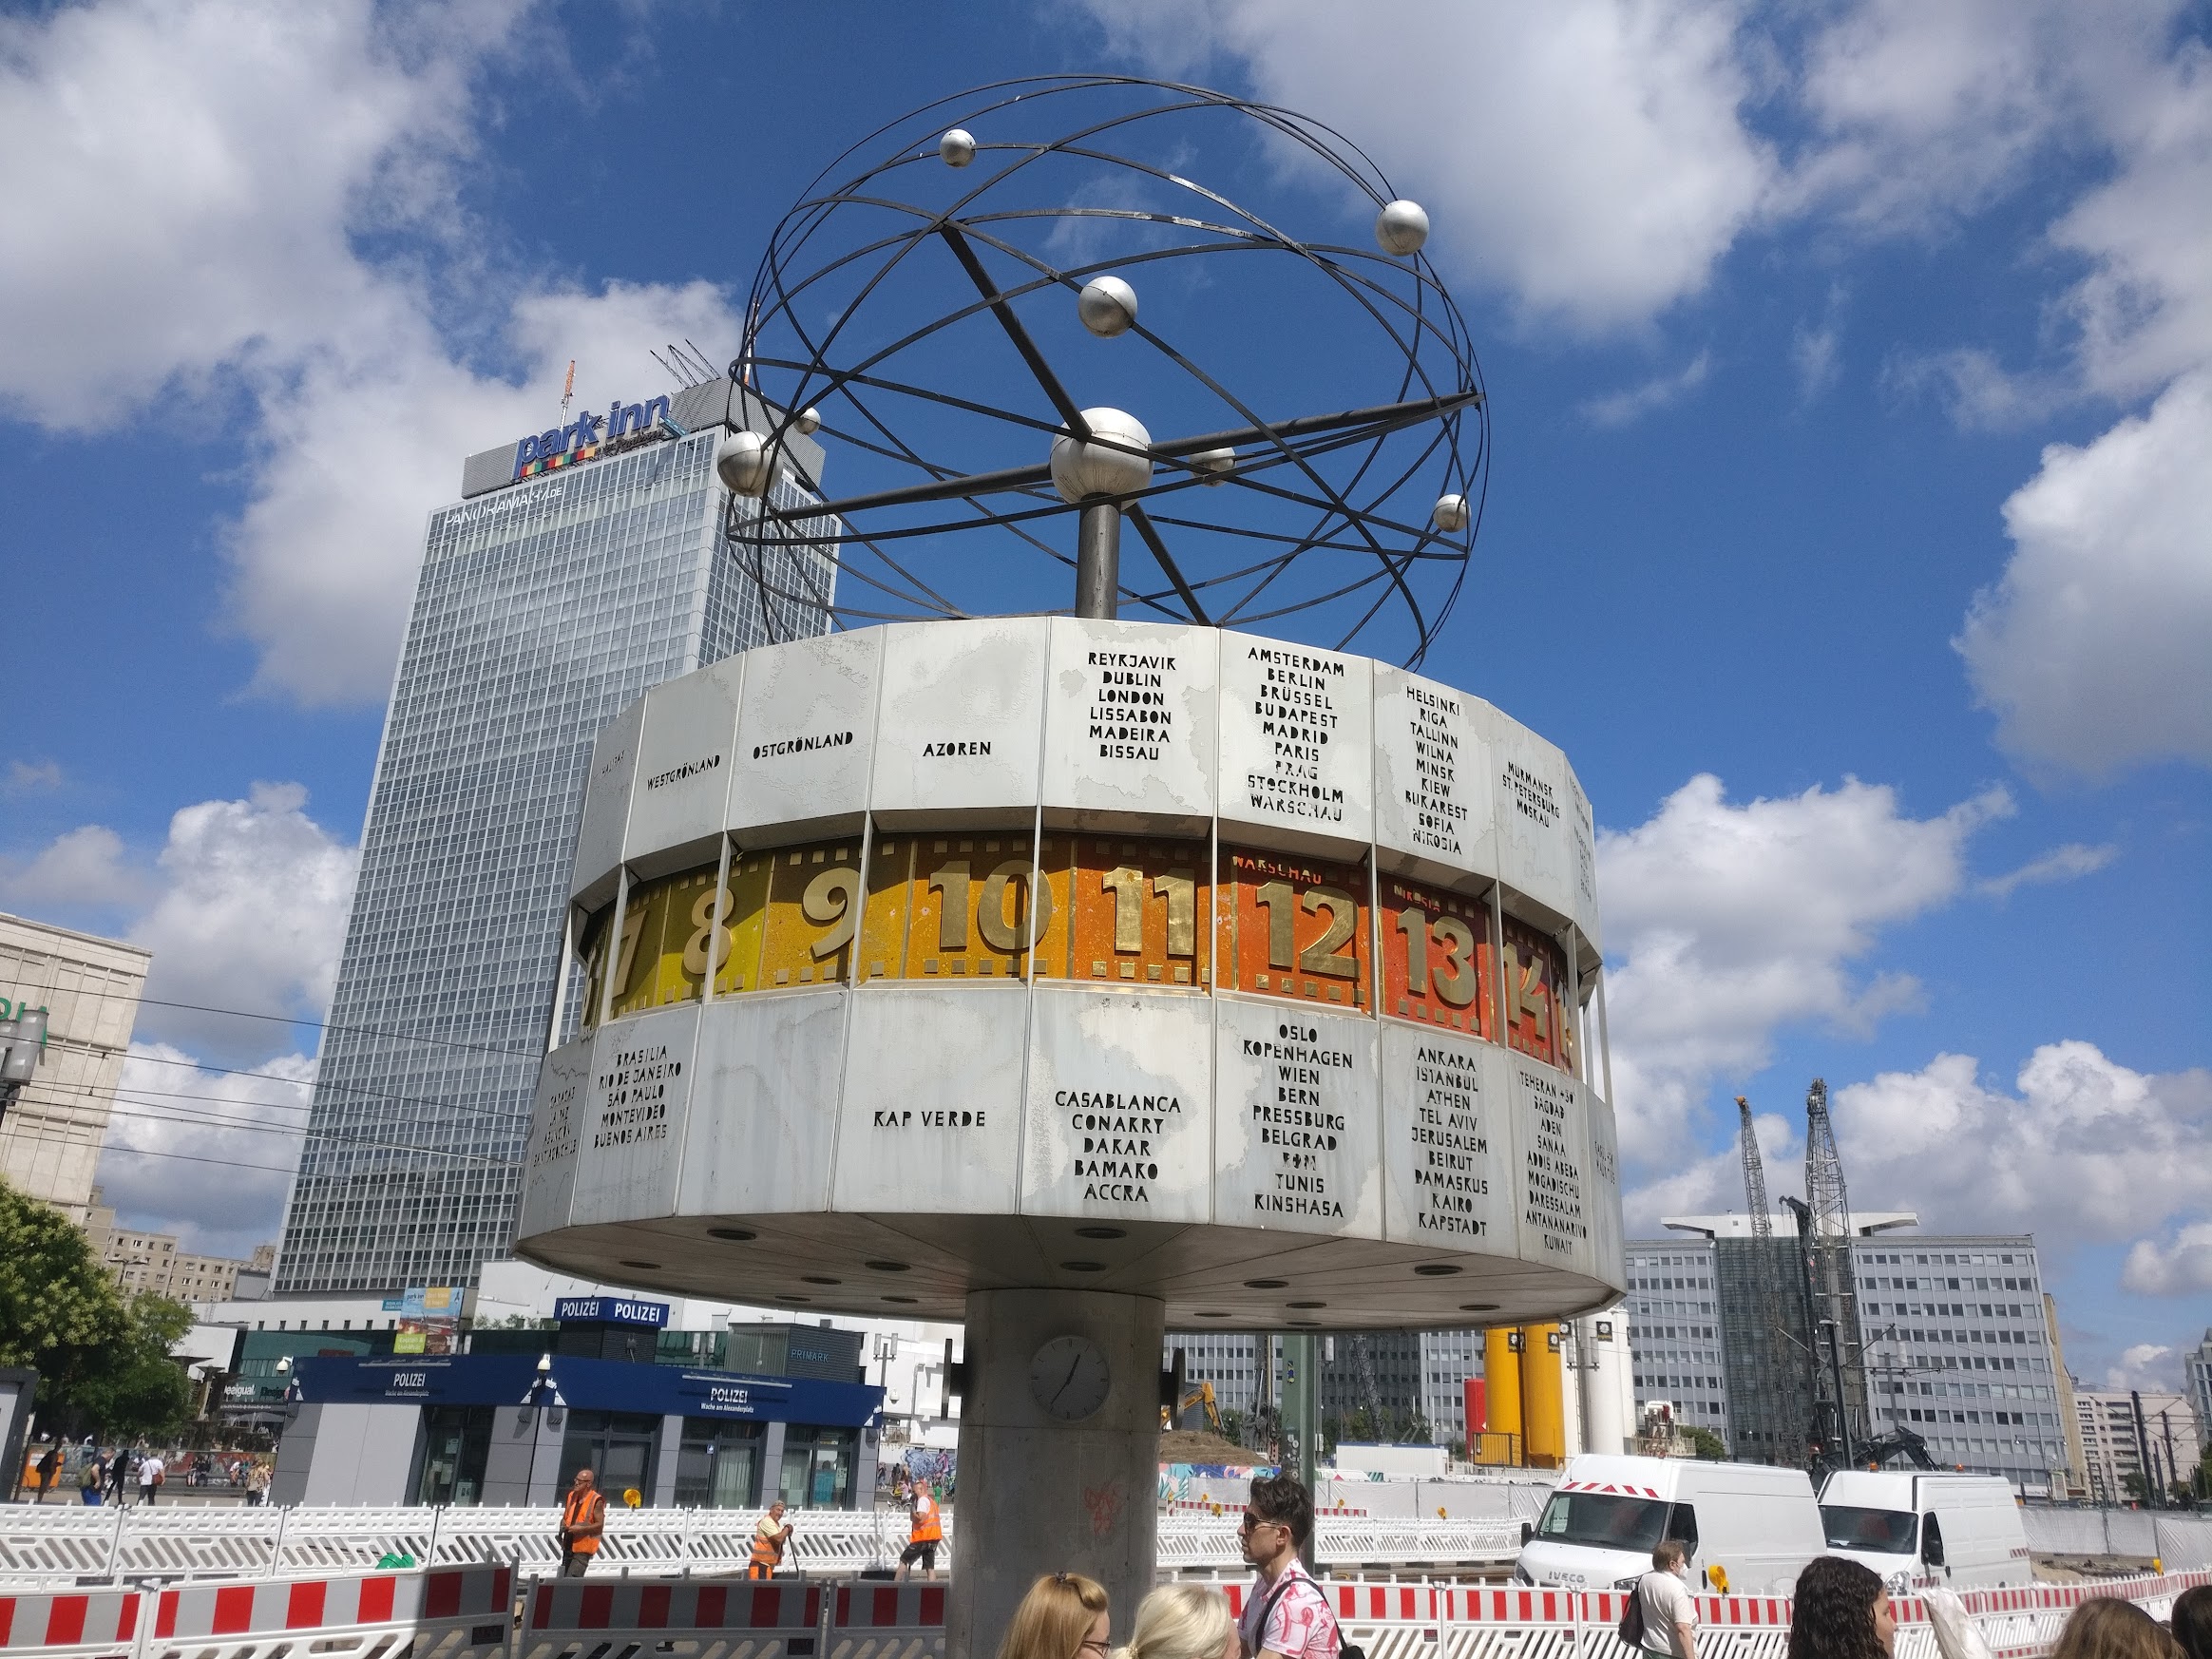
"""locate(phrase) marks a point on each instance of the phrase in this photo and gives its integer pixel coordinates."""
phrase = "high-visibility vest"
(928, 1529)
(581, 1510)
(767, 1546)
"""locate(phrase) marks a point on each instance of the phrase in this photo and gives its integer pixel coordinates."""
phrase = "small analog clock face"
(1069, 1378)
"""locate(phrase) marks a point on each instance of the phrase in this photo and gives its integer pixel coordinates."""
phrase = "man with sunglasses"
(1286, 1616)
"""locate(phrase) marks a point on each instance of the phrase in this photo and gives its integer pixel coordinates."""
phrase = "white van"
(1961, 1529)
(1747, 1528)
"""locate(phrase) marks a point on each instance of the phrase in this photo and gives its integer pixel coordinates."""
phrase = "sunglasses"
(1252, 1522)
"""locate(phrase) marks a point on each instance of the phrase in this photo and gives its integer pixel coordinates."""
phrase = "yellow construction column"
(1543, 1398)
(1501, 1392)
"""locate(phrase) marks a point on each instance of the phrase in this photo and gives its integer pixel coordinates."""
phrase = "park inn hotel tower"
(578, 569)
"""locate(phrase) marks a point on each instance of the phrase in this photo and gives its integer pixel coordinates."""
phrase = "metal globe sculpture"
(949, 295)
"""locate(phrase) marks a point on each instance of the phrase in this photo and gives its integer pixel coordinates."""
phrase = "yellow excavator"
(1195, 1410)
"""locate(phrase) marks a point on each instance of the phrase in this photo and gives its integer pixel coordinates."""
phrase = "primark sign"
(584, 437)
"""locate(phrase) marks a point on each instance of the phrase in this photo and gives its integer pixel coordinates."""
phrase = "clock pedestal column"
(1058, 1473)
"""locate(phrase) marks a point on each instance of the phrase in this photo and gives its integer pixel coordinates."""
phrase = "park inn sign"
(581, 439)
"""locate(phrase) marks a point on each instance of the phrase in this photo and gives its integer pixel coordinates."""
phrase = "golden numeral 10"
(952, 878)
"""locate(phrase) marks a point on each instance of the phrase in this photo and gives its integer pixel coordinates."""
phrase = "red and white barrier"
(461, 1612)
(66, 1624)
(579, 1615)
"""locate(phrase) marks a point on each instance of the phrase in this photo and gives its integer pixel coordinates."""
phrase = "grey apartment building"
(567, 579)
(1957, 1348)
(1415, 1374)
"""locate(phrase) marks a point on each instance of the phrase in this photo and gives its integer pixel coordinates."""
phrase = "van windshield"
(1604, 1522)
(1887, 1532)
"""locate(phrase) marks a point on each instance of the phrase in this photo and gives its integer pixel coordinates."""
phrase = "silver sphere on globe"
(957, 147)
(1107, 306)
(741, 461)
(1402, 227)
(809, 422)
(1211, 465)
(1081, 470)
(1450, 514)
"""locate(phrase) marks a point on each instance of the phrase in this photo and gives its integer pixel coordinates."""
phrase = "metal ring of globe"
(906, 310)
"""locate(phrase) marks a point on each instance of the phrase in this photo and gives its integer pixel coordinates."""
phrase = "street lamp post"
(23, 1040)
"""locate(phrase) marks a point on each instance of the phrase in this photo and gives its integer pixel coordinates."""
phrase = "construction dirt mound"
(1199, 1446)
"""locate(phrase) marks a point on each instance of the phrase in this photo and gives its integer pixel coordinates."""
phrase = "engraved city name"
(1129, 718)
(678, 773)
(1299, 1120)
(1437, 811)
(1531, 794)
(635, 1104)
(1451, 1147)
(1295, 709)
(1113, 1141)
(1551, 1183)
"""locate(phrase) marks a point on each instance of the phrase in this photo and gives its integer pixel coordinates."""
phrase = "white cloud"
(251, 915)
(2082, 1150)
(1730, 923)
(2095, 648)
(2180, 1267)
(1619, 408)
(86, 866)
(1586, 157)
(205, 1153)
(192, 189)
(28, 778)
(1976, 390)
(2147, 1365)
(2061, 864)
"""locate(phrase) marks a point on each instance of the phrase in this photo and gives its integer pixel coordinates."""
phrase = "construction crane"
(1754, 1175)
(1834, 1280)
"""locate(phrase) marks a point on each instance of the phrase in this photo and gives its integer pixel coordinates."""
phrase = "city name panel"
(939, 957)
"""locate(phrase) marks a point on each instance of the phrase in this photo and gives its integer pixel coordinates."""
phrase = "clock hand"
(1073, 1366)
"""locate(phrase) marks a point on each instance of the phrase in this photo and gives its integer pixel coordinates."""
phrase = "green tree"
(1710, 1448)
(102, 1362)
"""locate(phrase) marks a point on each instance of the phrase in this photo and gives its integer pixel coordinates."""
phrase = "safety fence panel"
(887, 1621)
(447, 1614)
(70, 1625)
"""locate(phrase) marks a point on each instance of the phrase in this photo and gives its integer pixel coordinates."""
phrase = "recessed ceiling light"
(1212, 1313)
(735, 1234)
(1266, 1283)
(910, 1301)
(1304, 1305)
(788, 1298)
(888, 1266)
(1437, 1269)
(1083, 1267)
(818, 1278)
(1478, 1308)
(649, 1267)
(1101, 1232)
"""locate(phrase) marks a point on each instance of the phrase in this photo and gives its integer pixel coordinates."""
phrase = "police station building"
(511, 1421)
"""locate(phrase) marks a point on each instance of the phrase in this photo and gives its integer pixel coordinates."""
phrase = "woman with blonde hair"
(1063, 1616)
(2107, 1627)
(1183, 1621)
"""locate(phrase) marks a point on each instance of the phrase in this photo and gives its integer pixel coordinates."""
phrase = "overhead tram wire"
(291, 1019)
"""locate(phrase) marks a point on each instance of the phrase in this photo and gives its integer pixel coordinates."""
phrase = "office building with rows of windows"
(569, 578)
(1416, 1374)
(1957, 1346)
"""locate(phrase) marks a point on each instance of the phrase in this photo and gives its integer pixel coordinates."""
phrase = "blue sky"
(1850, 519)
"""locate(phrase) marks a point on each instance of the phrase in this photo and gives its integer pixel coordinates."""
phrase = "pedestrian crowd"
(123, 1474)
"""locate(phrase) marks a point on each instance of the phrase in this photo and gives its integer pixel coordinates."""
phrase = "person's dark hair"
(1833, 1613)
(1283, 1499)
(2193, 1621)
(2107, 1627)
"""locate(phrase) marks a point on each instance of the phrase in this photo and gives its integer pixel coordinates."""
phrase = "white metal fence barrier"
(2179, 1541)
(53, 1547)
(454, 1612)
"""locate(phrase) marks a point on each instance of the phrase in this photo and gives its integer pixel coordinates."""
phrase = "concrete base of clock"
(1040, 1493)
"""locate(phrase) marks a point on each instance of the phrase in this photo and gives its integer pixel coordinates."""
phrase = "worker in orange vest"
(583, 1519)
(929, 1532)
(770, 1540)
